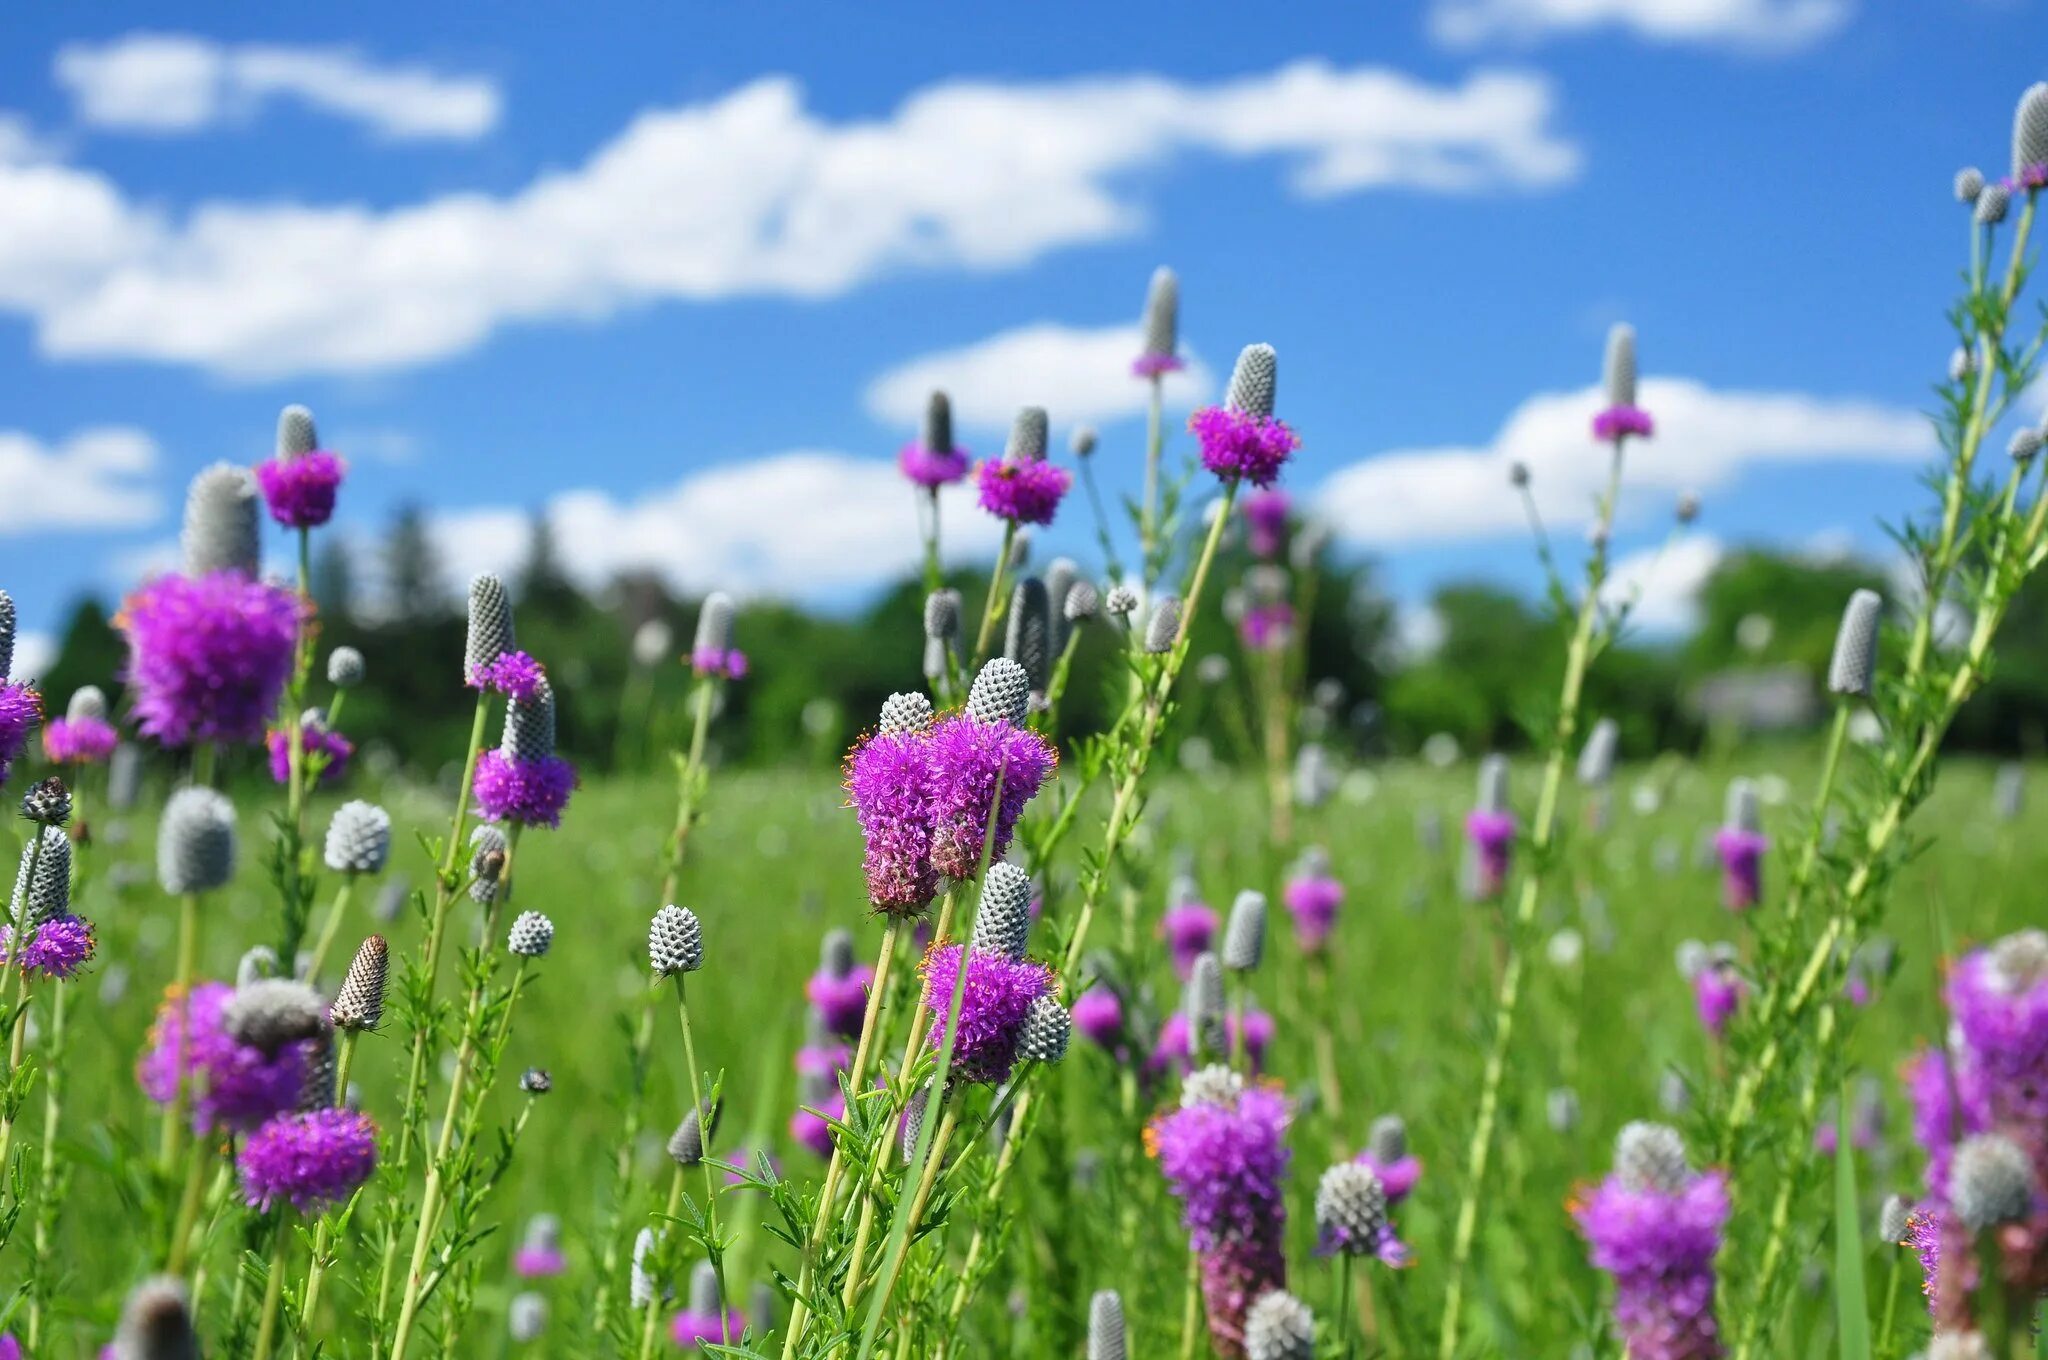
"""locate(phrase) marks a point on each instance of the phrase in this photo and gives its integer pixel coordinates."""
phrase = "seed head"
(527, 1317)
(1279, 1327)
(87, 701)
(296, 433)
(1082, 441)
(714, 624)
(2030, 131)
(1106, 1334)
(1493, 784)
(1162, 314)
(47, 893)
(938, 423)
(913, 1121)
(156, 1323)
(1027, 638)
(1969, 184)
(2025, 443)
(704, 1299)
(1083, 602)
(1854, 664)
(195, 845)
(221, 530)
(1000, 693)
(1892, 1220)
(1618, 373)
(1389, 1139)
(272, 1012)
(359, 1005)
(345, 668)
(1351, 1207)
(1162, 630)
(1211, 1085)
(488, 848)
(1650, 1157)
(535, 1081)
(7, 627)
(686, 1144)
(942, 615)
(359, 839)
(675, 941)
(531, 935)
(490, 624)
(1992, 203)
(530, 725)
(1244, 937)
(1742, 812)
(908, 712)
(47, 802)
(1002, 923)
(1028, 437)
(1203, 1001)
(1991, 1182)
(1048, 1028)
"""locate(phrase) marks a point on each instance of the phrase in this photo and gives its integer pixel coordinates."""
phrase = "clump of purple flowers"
(970, 758)
(1099, 1015)
(1490, 830)
(1740, 843)
(1312, 896)
(1655, 1226)
(540, 1253)
(1022, 490)
(1189, 926)
(994, 1003)
(1616, 422)
(57, 948)
(838, 992)
(208, 656)
(1241, 440)
(1173, 1050)
(83, 736)
(315, 739)
(523, 780)
(299, 488)
(890, 781)
(1223, 1156)
(1265, 521)
(21, 708)
(234, 1085)
(512, 674)
(309, 1160)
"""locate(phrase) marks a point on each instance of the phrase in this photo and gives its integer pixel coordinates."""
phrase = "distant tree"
(543, 584)
(412, 569)
(334, 583)
(89, 653)
(1801, 598)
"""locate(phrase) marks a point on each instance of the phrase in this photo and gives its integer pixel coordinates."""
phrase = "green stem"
(273, 1291)
(1148, 521)
(187, 964)
(47, 1183)
(651, 1323)
(992, 607)
(1345, 1306)
(704, 1122)
(332, 926)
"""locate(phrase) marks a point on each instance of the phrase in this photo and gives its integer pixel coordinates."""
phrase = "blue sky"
(671, 274)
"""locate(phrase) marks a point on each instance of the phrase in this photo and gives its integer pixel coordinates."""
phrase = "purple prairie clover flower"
(891, 781)
(1400, 1176)
(300, 489)
(970, 758)
(1022, 490)
(530, 792)
(1237, 446)
(931, 468)
(1156, 365)
(809, 1125)
(57, 948)
(842, 1002)
(994, 1003)
(313, 739)
(823, 1062)
(1312, 897)
(1491, 835)
(311, 1160)
(82, 740)
(1741, 852)
(539, 1255)
(21, 708)
(208, 656)
(1160, 327)
(1172, 1051)
(1717, 992)
(1189, 927)
(512, 674)
(1223, 1154)
(1351, 1215)
(1266, 626)
(233, 1085)
(1100, 1016)
(1265, 521)
(1618, 422)
(1659, 1245)
(692, 1329)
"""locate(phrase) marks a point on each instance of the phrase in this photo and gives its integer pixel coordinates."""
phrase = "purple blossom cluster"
(995, 1001)
(208, 657)
(515, 675)
(308, 1160)
(1659, 1245)
(299, 488)
(314, 740)
(1022, 490)
(1492, 838)
(1173, 1052)
(233, 1086)
(1266, 626)
(1265, 521)
(1239, 446)
(21, 708)
(1618, 422)
(84, 740)
(930, 468)
(692, 1329)
(1189, 927)
(57, 948)
(719, 663)
(1741, 853)
(1312, 897)
(841, 1002)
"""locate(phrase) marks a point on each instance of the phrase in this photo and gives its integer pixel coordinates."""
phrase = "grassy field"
(775, 863)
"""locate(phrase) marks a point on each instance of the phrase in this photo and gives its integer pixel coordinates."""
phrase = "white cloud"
(1661, 586)
(1706, 438)
(797, 524)
(1771, 26)
(168, 83)
(1081, 376)
(34, 653)
(101, 478)
(745, 195)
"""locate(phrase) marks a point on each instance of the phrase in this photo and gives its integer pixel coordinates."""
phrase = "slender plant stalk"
(1148, 515)
(332, 926)
(181, 991)
(650, 1324)
(992, 607)
(1191, 1306)
(323, 1230)
(47, 1182)
(273, 1290)
(704, 1122)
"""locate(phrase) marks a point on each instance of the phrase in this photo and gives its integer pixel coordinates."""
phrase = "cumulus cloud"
(34, 654)
(799, 524)
(1706, 439)
(1771, 26)
(102, 478)
(172, 83)
(748, 194)
(1661, 586)
(1081, 376)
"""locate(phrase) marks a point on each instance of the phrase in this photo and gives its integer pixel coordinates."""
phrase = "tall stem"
(993, 605)
(1148, 521)
(704, 1122)
(46, 1193)
(273, 1290)
(332, 926)
(181, 993)
(650, 1323)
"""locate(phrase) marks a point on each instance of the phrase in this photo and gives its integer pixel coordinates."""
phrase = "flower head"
(540, 1255)
(1265, 519)
(221, 532)
(1022, 490)
(195, 842)
(1161, 326)
(316, 739)
(1658, 1240)
(490, 625)
(1312, 896)
(311, 1160)
(57, 948)
(675, 941)
(523, 780)
(974, 761)
(996, 1002)
(890, 781)
(83, 736)
(1241, 439)
(208, 656)
(358, 839)
(515, 675)
(234, 1085)
(934, 460)
(300, 490)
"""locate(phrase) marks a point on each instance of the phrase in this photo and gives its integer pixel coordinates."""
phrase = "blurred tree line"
(817, 678)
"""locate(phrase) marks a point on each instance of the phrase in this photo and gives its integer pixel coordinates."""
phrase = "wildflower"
(515, 675)
(270, 1013)
(1202, 1006)
(1027, 635)
(1222, 1155)
(996, 1001)
(1100, 1016)
(838, 991)
(1241, 440)
(208, 655)
(539, 1255)
(1312, 896)
(1969, 183)
(1351, 1214)
(236, 1085)
(359, 1005)
(686, 1145)
(1189, 926)
(1265, 520)
(83, 736)
(1162, 629)
(2030, 139)
(345, 668)
(523, 780)
(1718, 989)
(1387, 1156)
(1048, 1029)
(1854, 663)
(1021, 486)
(1740, 845)
(811, 1126)
(221, 531)
(1107, 1338)
(156, 1322)
(59, 942)
(1656, 1227)
(1278, 1326)
(526, 1317)
(300, 482)
(712, 653)
(312, 1160)
(675, 941)
(891, 781)
(641, 1285)
(934, 460)
(358, 839)
(45, 892)
(1490, 829)
(1622, 417)
(1266, 626)
(490, 633)
(1121, 602)
(1596, 760)
(535, 1081)
(1161, 327)
(195, 842)
(315, 740)
(976, 756)
(703, 1320)
(1173, 1049)
(531, 935)
(1992, 204)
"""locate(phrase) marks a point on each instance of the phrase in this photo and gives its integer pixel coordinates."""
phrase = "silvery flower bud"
(1122, 601)
(1278, 1326)
(675, 941)
(905, 712)
(1211, 1085)
(1203, 1003)
(358, 839)
(7, 631)
(1991, 1182)
(1162, 630)
(1992, 205)
(222, 532)
(1894, 1220)
(527, 1317)
(87, 701)
(1002, 923)
(1082, 441)
(1000, 693)
(2030, 132)
(704, 1296)
(490, 624)
(714, 625)
(296, 433)
(1107, 1337)
(359, 1005)
(1651, 1157)
(1854, 665)
(835, 953)
(2025, 443)
(535, 1081)
(1561, 1109)
(1244, 936)
(1048, 1028)
(1083, 602)
(1254, 381)
(488, 850)
(942, 615)
(46, 892)
(1027, 636)
(1351, 1208)
(1743, 811)
(1493, 784)
(1962, 362)
(272, 1012)
(531, 935)
(345, 668)
(686, 1144)
(641, 1285)
(938, 423)
(1969, 183)
(47, 802)
(257, 962)
(1028, 436)
(1162, 315)
(156, 1322)
(1388, 1141)
(652, 642)
(1618, 372)
(1596, 761)
(530, 725)
(195, 848)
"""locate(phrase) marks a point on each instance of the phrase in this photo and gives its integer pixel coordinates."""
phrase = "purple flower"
(1238, 445)
(969, 758)
(1741, 855)
(312, 739)
(57, 948)
(809, 1124)
(232, 1085)
(1717, 992)
(1265, 521)
(930, 468)
(692, 1329)
(823, 1062)
(21, 708)
(993, 1005)
(890, 780)
(724, 663)
(1022, 490)
(1172, 1051)
(311, 1159)
(1312, 899)
(300, 489)
(530, 792)
(842, 1002)
(1617, 422)
(1399, 1177)
(1100, 1016)
(76, 741)
(512, 674)
(1190, 930)
(208, 657)
(1268, 626)
(1492, 836)
(538, 1262)
(1659, 1246)
(1156, 365)
(1225, 1160)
